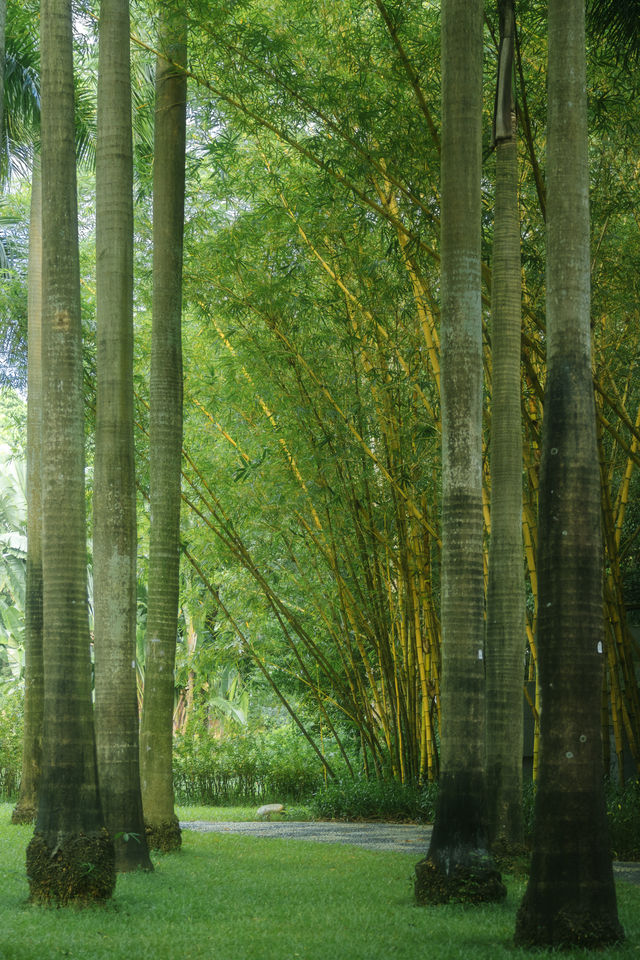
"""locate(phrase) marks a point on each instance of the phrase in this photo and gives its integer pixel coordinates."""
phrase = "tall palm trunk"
(69, 830)
(458, 865)
(25, 809)
(165, 442)
(505, 595)
(114, 495)
(570, 899)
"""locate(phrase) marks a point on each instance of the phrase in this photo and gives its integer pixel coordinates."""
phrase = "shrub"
(374, 800)
(623, 812)
(11, 727)
(255, 766)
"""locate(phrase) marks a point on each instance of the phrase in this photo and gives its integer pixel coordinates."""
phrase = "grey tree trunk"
(69, 831)
(506, 631)
(570, 899)
(165, 440)
(26, 807)
(458, 865)
(114, 493)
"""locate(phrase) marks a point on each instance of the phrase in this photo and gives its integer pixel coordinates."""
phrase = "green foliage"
(623, 813)
(375, 800)
(13, 551)
(268, 766)
(616, 22)
(11, 724)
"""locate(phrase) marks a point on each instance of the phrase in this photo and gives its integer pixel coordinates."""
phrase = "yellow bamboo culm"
(421, 297)
(623, 493)
(615, 697)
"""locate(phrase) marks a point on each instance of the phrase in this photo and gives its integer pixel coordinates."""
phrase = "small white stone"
(268, 808)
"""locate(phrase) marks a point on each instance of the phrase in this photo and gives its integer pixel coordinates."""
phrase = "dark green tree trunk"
(570, 899)
(70, 858)
(165, 440)
(458, 865)
(114, 494)
(506, 631)
(26, 807)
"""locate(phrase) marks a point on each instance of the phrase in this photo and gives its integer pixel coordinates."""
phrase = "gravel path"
(396, 837)
(376, 836)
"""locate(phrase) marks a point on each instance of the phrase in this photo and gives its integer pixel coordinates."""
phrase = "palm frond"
(617, 22)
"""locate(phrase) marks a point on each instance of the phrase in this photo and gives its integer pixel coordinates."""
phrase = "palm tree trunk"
(69, 833)
(165, 442)
(506, 631)
(26, 807)
(570, 899)
(458, 865)
(114, 493)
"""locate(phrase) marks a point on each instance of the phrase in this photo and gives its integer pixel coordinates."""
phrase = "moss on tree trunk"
(73, 869)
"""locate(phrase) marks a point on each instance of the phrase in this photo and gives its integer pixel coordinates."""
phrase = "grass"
(244, 898)
(241, 814)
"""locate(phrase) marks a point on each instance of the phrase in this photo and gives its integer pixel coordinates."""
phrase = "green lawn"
(227, 897)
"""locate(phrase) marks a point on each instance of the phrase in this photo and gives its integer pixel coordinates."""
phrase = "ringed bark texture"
(114, 497)
(69, 839)
(458, 865)
(165, 442)
(570, 899)
(26, 807)
(506, 631)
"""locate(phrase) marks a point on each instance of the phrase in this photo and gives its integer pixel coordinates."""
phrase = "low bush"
(375, 800)
(623, 813)
(267, 766)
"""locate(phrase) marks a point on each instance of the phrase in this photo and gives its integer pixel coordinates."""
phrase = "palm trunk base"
(164, 836)
(132, 853)
(77, 869)
(506, 820)
(474, 879)
(24, 811)
(543, 922)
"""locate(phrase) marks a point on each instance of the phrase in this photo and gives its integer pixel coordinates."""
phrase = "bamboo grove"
(311, 476)
(312, 361)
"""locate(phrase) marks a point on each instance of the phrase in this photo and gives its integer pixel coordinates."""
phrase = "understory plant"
(249, 766)
(11, 723)
(375, 800)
